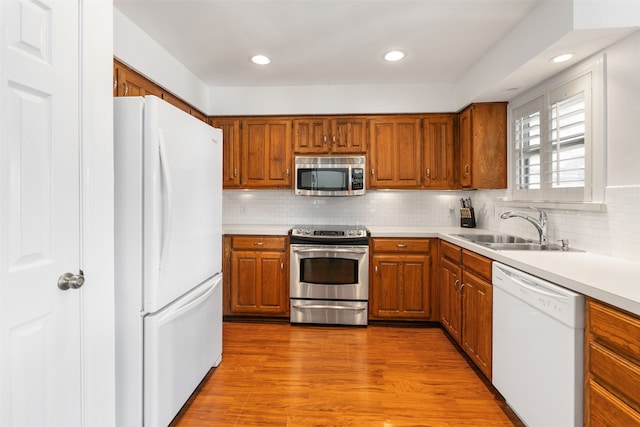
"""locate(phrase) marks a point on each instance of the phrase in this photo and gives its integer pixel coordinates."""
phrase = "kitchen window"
(557, 143)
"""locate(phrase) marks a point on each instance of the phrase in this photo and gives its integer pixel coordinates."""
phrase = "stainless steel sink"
(494, 238)
(506, 242)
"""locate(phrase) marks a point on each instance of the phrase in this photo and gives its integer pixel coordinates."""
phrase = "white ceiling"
(326, 42)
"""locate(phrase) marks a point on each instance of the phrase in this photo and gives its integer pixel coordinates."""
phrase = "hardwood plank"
(281, 375)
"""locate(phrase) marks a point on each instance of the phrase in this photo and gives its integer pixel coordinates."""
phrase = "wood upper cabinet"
(258, 283)
(466, 302)
(266, 153)
(130, 83)
(127, 82)
(440, 151)
(401, 278)
(612, 366)
(321, 135)
(230, 151)
(395, 153)
(483, 146)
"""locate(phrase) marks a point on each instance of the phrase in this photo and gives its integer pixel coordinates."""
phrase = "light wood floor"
(282, 375)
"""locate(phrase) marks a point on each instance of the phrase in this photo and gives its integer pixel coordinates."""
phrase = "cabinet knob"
(372, 172)
(466, 169)
(428, 173)
(455, 284)
(325, 138)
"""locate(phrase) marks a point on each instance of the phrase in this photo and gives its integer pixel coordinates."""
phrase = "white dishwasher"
(538, 336)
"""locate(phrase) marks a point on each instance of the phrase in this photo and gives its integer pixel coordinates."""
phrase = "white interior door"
(40, 354)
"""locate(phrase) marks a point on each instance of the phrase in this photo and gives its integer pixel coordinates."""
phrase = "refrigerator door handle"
(165, 231)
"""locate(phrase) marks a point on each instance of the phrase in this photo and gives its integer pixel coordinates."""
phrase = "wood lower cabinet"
(466, 302)
(612, 366)
(401, 279)
(450, 298)
(395, 156)
(483, 146)
(257, 270)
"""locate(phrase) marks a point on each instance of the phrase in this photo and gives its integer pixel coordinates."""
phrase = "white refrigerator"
(168, 243)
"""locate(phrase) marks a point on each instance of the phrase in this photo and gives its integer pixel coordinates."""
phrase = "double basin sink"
(511, 243)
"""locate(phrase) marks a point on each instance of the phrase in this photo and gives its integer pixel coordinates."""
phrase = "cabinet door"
(477, 297)
(465, 148)
(258, 283)
(349, 135)
(439, 150)
(386, 292)
(450, 302)
(483, 146)
(416, 287)
(230, 151)
(401, 287)
(311, 136)
(266, 153)
(395, 153)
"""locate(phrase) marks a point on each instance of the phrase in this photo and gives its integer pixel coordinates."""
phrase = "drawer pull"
(258, 243)
(400, 245)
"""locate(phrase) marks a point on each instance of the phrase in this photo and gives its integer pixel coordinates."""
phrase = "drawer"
(450, 251)
(260, 242)
(401, 245)
(607, 410)
(619, 375)
(477, 263)
(615, 329)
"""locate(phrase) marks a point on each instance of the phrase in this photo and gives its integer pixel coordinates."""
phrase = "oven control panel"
(330, 233)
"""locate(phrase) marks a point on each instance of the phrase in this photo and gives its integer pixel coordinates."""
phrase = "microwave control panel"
(357, 179)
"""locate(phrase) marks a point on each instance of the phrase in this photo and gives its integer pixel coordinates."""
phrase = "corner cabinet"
(401, 279)
(466, 302)
(321, 135)
(612, 366)
(483, 146)
(266, 153)
(395, 156)
(256, 276)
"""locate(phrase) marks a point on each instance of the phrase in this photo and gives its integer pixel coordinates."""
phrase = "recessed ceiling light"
(394, 55)
(562, 58)
(260, 59)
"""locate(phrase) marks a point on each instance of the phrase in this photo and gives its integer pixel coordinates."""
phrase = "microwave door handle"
(314, 180)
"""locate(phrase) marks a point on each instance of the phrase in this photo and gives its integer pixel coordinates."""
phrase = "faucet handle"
(565, 244)
(543, 214)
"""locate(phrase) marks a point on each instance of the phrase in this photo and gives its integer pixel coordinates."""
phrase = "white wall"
(136, 49)
(348, 99)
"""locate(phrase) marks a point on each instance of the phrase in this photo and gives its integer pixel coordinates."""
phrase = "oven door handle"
(339, 250)
(330, 307)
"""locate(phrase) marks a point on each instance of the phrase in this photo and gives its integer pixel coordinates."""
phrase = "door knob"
(71, 281)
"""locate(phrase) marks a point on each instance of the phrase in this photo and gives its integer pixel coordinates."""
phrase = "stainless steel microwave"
(330, 176)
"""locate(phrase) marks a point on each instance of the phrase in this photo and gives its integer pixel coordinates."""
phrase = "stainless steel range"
(329, 276)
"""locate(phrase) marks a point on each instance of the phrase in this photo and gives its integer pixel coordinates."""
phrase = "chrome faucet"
(540, 224)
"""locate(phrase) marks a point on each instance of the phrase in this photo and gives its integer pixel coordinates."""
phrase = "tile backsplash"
(615, 232)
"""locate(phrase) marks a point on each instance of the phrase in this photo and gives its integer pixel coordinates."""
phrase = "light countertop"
(608, 279)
